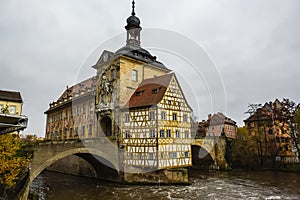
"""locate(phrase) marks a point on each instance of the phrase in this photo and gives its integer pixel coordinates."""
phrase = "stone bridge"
(215, 147)
(100, 153)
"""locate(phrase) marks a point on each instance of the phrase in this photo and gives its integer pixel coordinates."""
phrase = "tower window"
(134, 75)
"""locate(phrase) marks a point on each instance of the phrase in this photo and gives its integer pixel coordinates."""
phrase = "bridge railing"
(68, 141)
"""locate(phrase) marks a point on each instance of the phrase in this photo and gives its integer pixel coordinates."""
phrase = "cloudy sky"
(254, 45)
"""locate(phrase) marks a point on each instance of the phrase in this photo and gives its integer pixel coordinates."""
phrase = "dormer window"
(139, 93)
(155, 91)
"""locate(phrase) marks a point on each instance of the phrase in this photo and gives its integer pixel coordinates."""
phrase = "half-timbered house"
(156, 125)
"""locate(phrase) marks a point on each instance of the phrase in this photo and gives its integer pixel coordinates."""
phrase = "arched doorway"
(106, 126)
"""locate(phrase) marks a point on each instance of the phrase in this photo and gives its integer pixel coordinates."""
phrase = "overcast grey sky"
(254, 44)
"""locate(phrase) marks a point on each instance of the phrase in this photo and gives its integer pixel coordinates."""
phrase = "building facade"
(72, 116)
(156, 126)
(11, 118)
(271, 133)
(217, 125)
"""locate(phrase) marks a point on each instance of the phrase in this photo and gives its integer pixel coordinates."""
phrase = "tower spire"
(133, 28)
(133, 7)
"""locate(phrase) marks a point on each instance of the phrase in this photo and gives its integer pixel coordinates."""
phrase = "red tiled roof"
(144, 95)
(86, 84)
(10, 96)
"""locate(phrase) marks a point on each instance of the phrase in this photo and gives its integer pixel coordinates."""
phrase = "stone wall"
(73, 165)
(170, 176)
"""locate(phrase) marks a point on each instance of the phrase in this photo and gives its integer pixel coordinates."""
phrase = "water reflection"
(204, 185)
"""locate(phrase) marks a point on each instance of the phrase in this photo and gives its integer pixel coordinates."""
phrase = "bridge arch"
(202, 157)
(81, 152)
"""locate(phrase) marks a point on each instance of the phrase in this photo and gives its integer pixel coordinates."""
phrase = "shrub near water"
(13, 160)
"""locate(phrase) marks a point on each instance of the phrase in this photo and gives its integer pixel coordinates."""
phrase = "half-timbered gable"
(156, 125)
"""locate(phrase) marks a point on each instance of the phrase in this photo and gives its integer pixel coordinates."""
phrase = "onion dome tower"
(133, 29)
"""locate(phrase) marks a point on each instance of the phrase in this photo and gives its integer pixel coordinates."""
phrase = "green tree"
(13, 160)
(243, 150)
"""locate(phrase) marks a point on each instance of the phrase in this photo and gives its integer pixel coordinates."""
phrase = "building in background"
(11, 118)
(217, 125)
(72, 115)
(271, 133)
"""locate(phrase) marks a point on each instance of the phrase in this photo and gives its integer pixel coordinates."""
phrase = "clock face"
(12, 109)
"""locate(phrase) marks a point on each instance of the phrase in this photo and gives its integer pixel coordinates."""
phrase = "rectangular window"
(162, 133)
(140, 157)
(185, 118)
(127, 118)
(91, 107)
(90, 129)
(112, 74)
(177, 134)
(171, 155)
(174, 154)
(83, 131)
(186, 154)
(76, 132)
(84, 108)
(174, 117)
(162, 155)
(168, 133)
(103, 99)
(12, 110)
(152, 117)
(187, 134)
(127, 134)
(151, 156)
(67, 114)
(134, 75)
(65, 133)
(78, 110)
(163, 116)
(71, 132)
(1, 108)
(131, 156)
(152, 134)
(112, 97)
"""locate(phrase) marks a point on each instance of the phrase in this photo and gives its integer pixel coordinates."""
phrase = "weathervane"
(133, 7)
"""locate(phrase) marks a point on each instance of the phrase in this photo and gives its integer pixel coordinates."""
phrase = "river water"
(204, 185)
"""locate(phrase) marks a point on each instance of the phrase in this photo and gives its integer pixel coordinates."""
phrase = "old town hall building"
(134, 100)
